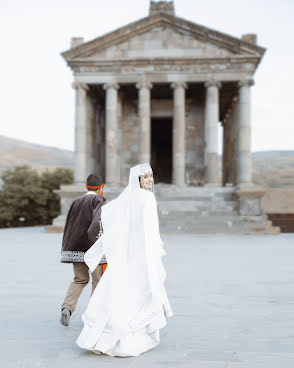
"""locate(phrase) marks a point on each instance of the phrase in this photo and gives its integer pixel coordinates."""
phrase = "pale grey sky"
(37, 101)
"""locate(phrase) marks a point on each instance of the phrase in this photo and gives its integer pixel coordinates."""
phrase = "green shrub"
(27, 197)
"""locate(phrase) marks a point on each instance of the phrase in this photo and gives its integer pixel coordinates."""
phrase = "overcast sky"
(37, 101)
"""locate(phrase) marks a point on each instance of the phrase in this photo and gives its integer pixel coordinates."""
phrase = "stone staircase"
(204, 210)
(200, 210)
(207, 210)
(201, 201)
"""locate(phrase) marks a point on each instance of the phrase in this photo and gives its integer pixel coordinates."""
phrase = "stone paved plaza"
(232, 298)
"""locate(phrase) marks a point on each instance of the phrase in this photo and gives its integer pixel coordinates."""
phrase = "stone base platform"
(206, 210)
(212, 210)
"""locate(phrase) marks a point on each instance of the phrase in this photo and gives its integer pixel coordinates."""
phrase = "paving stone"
(232, 297)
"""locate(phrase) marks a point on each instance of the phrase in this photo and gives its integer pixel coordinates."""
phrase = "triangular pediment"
(162, 36)
(160, 42)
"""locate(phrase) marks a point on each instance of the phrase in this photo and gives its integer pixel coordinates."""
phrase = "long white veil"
(130, 294)
(116, 220)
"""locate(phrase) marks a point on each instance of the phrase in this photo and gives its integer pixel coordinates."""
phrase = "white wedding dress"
(129, 305)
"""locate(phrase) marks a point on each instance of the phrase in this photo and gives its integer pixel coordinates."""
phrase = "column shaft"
(234, 128)
(91, 135)
(225, 158)
(179, 127)
(244, 133)
(81, 160)
(229, 144)
(111, 134)
(144, 121)
(211, 130)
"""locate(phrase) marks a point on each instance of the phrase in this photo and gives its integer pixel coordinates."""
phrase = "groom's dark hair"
(93, 181)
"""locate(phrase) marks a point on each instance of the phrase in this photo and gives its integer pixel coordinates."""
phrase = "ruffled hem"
(134, 343)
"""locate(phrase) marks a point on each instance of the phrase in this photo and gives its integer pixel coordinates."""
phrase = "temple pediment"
(163, 36)
(160, 42)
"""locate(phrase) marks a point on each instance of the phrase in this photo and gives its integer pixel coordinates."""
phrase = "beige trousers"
(81, 279)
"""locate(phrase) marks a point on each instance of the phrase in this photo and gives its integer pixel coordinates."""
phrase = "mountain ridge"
(15, 152)
(273, 169)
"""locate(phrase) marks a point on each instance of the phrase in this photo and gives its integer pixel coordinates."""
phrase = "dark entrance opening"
(161, 150)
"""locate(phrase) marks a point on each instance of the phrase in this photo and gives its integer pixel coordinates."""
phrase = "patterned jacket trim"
(75, 256)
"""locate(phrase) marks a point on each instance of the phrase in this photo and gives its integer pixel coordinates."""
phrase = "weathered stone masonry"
(157, 90)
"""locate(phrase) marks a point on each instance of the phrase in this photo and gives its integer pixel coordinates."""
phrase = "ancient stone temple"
(157, 90)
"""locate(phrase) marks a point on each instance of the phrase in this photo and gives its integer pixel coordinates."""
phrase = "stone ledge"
(252, 191)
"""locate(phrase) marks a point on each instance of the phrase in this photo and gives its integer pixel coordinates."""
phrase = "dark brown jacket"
(84, 212)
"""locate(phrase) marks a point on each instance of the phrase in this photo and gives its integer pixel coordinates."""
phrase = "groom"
(82, 228)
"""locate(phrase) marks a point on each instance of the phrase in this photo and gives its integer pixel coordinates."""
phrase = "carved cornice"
(246, 83)
(80, 85)
(111, 85)
(179, 85)
(215, 68)
(212, 83)
(144, 84)
(225, 62)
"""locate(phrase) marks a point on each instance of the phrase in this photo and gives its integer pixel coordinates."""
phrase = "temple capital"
(213, 83)
(80, 85)
(111, 85)
(144, 84)
(179, 85)
(246, 83)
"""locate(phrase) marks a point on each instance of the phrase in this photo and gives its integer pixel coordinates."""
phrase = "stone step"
(202, 196)
(221, 229)
(196, 206)
(213, 224)
(171, 192)
(182, 205)
(219, 212)
(162, 191)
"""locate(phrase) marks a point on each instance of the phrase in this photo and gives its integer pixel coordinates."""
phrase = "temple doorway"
(161, 149)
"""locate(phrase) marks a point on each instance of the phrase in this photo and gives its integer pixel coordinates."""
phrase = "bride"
(129, 305)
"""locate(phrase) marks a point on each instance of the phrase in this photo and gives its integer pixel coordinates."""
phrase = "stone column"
(226, 151)
(111, 133)
(234, 140)
(144, 121)
(229, 143)
(91, 133)
(244, 133)
(81, 161)
(179, 127)
(211, 130)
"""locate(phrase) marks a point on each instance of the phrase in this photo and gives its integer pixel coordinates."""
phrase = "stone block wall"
(128, 135)
(96, 141)
(195, 142)
(100, 141)
(128, 151)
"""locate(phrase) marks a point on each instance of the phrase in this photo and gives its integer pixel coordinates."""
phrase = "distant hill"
(273, 169)
(15, 152)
